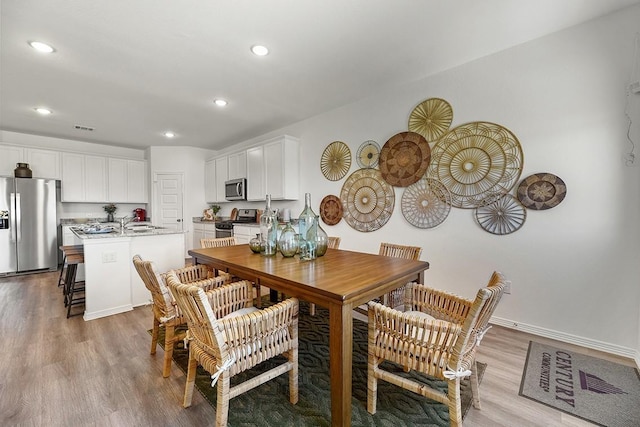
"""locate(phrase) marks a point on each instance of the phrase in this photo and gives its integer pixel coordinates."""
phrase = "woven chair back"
(218, 242)
(400, 251)
(162, 299)
(334, 242)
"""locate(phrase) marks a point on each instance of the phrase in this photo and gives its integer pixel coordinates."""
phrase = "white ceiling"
(133, 69)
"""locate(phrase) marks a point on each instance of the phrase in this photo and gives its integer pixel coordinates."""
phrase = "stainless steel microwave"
(236, 189)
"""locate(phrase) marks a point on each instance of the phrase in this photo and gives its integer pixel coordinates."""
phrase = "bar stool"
(73, 256)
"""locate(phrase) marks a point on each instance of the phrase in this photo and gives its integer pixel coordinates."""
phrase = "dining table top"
(339, 276)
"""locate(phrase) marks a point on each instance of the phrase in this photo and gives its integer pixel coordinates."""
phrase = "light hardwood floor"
(56, 371)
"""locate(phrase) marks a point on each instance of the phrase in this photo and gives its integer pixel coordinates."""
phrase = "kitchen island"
(112, 284)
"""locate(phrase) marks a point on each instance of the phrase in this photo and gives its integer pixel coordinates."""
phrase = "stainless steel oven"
(245, 216)
(223, 232)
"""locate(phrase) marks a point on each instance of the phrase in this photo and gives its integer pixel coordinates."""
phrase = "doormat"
(596, 390)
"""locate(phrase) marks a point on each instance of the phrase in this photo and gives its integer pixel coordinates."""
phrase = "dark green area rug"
(268, 405)
(597, 390)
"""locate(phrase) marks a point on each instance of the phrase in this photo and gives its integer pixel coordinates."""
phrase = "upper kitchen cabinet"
(9, 157)
(127, 181)
(43, 163)
(216, 172)
(237, 165)
(210, 181)
(84, 178)
(274, 168)
(222, 175)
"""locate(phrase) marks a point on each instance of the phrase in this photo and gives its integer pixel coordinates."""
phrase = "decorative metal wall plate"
(331, 210)
(367, 199)
(426, 203)
(431, 118)
(335, 161)
(404, 158)
(478, 162)
(503, 216)
(541, 191)
(368, 154)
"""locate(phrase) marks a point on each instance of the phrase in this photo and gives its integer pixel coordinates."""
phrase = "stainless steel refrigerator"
(28, 225)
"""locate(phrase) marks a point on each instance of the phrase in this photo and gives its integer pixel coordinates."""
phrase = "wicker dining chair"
(332, 243)
(438, 336)
(394, 298)
(226, 343)
(218, 242)
(165, 312)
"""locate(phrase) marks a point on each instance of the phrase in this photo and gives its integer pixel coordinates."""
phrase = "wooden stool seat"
(73, 256)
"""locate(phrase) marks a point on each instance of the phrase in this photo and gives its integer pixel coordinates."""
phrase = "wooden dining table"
(340, 281)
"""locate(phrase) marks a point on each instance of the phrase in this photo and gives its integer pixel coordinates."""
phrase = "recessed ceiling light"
(42, 47)
(259, 50)
(43, 111)
(169, 134)
(220, 102)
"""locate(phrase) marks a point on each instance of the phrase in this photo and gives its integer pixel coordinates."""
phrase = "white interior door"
(170, 194)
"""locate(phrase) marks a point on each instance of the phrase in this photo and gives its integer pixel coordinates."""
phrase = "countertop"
(80, 231)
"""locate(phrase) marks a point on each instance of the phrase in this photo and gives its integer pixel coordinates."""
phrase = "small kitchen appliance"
(244, 216)
(139, 215)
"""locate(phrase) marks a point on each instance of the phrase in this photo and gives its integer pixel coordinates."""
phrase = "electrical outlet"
(109, 257)
(507, 287)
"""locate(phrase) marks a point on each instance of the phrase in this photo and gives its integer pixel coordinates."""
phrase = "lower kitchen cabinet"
(202, 230)
(244, 233)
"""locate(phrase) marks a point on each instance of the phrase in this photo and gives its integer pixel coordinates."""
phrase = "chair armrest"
(437, 303)
(230, 297)
(192, 273)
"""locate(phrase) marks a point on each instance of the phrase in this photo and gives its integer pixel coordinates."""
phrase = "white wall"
(575, 267)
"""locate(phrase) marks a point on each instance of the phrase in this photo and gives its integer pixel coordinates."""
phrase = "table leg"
(340, 349)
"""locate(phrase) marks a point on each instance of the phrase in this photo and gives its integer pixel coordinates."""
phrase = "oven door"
(223, 232)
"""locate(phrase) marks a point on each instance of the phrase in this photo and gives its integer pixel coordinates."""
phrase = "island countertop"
(109, 232)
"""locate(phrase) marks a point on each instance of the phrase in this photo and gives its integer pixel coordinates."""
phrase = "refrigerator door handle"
(16, 218)
(12, 216)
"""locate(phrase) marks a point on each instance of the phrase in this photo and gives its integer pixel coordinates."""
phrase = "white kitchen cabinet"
(222, 175)
(127, 181)
(9, 156)
(84, 178)
(274, 168)
(210, 191)
(43, 163)
(256, 189)
(244, 233)
(237, 165)
(203, 230)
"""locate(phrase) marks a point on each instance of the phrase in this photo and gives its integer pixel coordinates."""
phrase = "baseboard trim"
(571, 339)
(104, 313)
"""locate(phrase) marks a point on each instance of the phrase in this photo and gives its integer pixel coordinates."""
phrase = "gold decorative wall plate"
(368, 154)
(477, 162)
(503, 216)
(541, 191)
(426, 204)
(335, 161)
(431, 118)
(404, 158)
(331, 210)
(367, 199)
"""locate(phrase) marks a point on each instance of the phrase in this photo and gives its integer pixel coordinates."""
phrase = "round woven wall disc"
(426, 204)
(331, 210)
(478, 162)
(368, 154)
(404, 158)
(503, 216)
(367, 199)
(431, 118)
(541, 191)
(335, 161)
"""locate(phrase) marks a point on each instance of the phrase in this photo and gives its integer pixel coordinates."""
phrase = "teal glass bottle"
(307, 217)
(288, 241)
(322, 239)
(268, 229)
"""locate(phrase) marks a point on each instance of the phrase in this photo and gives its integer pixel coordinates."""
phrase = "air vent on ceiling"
(87, 128)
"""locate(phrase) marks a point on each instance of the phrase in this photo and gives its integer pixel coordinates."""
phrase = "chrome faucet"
(124, 221)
